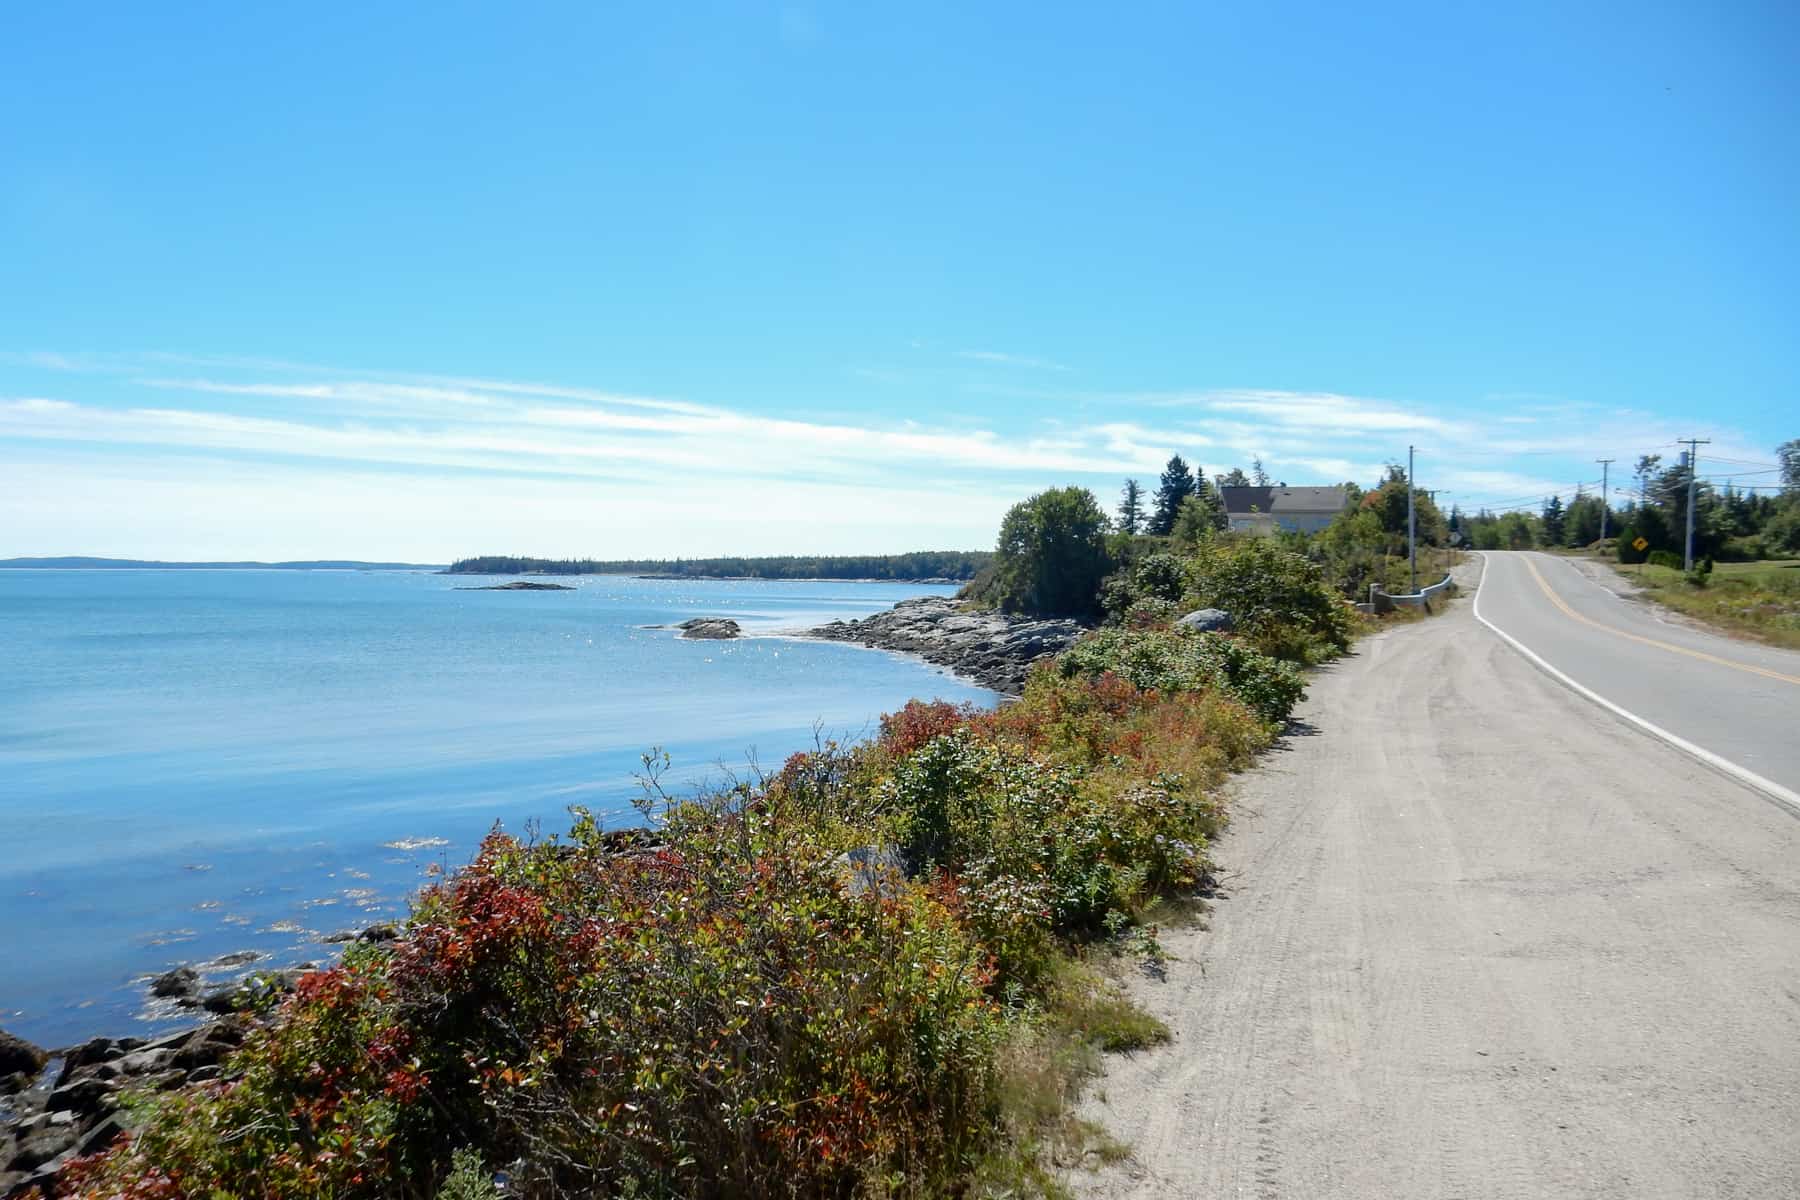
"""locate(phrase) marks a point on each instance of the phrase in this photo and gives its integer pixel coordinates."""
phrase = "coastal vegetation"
(882, 970)
(1746, 540)
(1760, 600)
(1753, 514)
(953, 565)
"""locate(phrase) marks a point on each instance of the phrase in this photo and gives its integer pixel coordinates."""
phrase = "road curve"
(1481, 938)
(1733, 702)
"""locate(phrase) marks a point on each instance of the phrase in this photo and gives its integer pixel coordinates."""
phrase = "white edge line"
(1743, 775)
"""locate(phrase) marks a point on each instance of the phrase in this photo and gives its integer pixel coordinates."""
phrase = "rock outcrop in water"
(522, 585)
(993, 649)
(717, 629)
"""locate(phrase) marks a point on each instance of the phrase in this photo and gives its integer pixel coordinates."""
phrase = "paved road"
(1731, 698)
(1481, 939)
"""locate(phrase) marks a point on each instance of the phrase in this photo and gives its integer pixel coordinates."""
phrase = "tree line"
(956, 565)
(1730, 522)
(1061, 552)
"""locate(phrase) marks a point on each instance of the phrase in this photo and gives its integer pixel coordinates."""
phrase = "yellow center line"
(1673, 649)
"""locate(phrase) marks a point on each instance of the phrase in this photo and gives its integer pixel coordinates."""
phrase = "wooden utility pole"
(1412, 529)
(1693, 466)
(1605, 463)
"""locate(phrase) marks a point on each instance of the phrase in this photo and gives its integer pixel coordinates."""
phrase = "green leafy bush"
(1147, 591)
(1179, 660)
(1278, 599)
(1031, 850)
(1666, 558)
(1627, 546)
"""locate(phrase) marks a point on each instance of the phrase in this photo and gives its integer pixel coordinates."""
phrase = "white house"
(1293, 509)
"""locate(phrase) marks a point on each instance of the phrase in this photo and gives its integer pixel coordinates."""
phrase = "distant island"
(519, 586)
(950, 566)
(84, 563)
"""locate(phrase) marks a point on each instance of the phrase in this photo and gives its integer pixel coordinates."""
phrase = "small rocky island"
(994, 649)
(518, 585)
(715, 629)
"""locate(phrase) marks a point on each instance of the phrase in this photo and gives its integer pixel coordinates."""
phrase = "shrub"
(704, 1019)
(1178, 660)
(1744, 549)
(1278, 599)
(921, 721)
(1782, 534)
(1028, 850)
(1628, 551)
(1666, 558)
(1152, 585)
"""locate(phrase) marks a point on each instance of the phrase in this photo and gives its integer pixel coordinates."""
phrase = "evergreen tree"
(1131, 507)
(1211, 501)
(1644, 472)
(1553, 521)
(1788, 455)
(1176, 485)
(1259, 476)
(1233, 478)
(1581, 524)
(1198, 520)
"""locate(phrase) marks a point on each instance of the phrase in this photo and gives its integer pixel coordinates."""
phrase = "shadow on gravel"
(1295, 728)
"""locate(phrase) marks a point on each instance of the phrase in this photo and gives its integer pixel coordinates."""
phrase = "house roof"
(1282, 501)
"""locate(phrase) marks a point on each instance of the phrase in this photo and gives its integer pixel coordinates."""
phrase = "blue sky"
(417, 281)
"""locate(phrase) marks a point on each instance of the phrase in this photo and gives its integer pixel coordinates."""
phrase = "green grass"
(1759, 600)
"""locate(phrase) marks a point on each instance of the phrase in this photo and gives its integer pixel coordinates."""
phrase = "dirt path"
(1481, 940)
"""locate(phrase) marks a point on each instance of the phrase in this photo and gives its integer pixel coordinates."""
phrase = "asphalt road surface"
(1484, 938)
(1731, 699)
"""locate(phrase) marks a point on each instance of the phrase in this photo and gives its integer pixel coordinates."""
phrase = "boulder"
(710, 629)
(877, 868)
(208, 1045)
(88, 1054)
(179, 983)
(143, 1062)
(379, 933)
(236, 958)
(1207, 620)
(227, 999)
(20, 1057)
(43, 1144)
(85, 1097)
(100, 1136)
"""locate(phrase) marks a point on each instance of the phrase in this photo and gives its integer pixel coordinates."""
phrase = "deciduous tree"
(1052, 554)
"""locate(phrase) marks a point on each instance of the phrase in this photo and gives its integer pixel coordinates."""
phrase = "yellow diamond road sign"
(1641, 544)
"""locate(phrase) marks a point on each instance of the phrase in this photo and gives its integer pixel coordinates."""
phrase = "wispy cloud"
(414, 433)
(1012, 360)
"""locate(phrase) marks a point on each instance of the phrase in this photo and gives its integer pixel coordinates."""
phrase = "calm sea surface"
(199, 762)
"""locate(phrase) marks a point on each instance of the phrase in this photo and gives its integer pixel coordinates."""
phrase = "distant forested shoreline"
(956, 565)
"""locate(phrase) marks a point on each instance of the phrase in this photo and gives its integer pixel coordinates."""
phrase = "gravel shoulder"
(1478, 939)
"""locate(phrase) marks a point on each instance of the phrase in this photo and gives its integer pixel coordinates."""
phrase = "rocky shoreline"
(59, 1104)
(993, 649)
(56, 1105)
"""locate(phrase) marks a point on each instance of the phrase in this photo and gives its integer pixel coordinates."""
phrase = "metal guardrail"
(1425, 598)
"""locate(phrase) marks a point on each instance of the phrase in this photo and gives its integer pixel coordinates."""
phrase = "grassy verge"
(1759, 600)
(882, 971)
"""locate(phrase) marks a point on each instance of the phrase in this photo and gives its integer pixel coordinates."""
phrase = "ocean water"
(199, 762)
